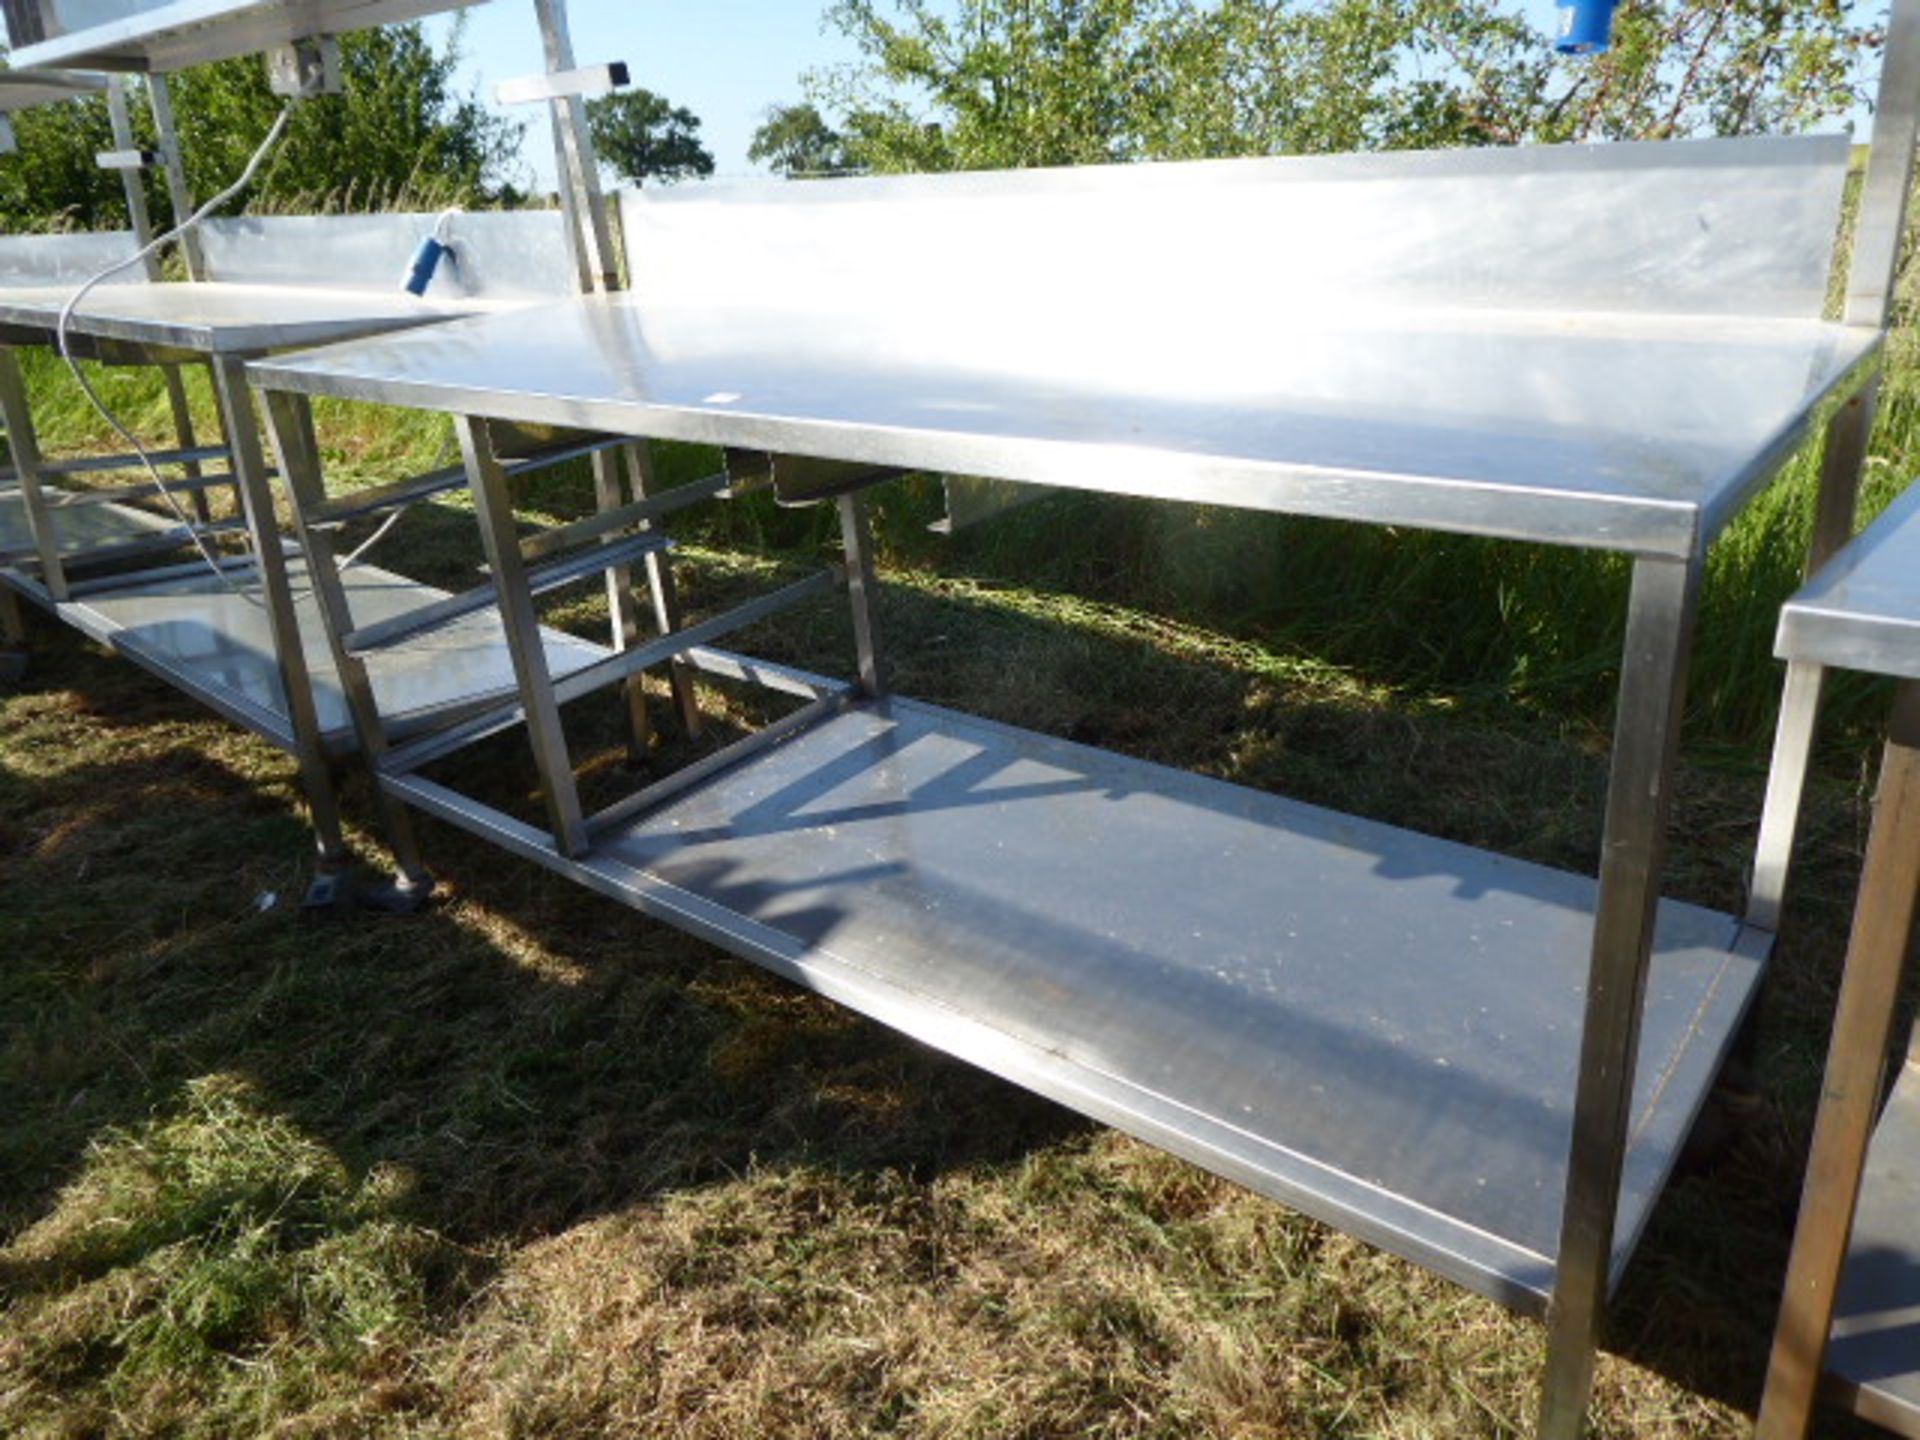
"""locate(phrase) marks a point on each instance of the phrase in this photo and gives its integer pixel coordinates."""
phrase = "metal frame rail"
(731, 850)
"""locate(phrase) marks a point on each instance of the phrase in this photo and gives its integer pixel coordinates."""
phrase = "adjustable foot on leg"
(403, 895)
(329, 888)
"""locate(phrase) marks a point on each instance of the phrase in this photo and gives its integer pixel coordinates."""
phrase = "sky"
(725, 60)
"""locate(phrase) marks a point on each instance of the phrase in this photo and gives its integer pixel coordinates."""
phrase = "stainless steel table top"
(1862, 610)
(1642, 433)
(221, 318)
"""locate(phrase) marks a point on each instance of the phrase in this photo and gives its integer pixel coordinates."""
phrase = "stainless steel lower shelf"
(1375, 1026)
(213, 641)
(1873, 1359)
(81, 528)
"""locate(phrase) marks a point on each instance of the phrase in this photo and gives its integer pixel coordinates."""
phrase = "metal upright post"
(290, 426)
(24, 442)
(172, 166)
(142, 223)
(583, 204)
(1660, 618)
(270, 560)
(1872, 271)
(857, 541)
(488, 483)
(579, 180)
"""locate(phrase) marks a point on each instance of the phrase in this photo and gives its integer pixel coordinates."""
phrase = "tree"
(980, 83)
(642, 136)
(794, 140)
(399, 135)
(51, 182)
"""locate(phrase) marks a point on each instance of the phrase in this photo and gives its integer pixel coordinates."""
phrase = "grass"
(528, 1165)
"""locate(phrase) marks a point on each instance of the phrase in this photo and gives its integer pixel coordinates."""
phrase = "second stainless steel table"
(1852, 1303)
(235, 641)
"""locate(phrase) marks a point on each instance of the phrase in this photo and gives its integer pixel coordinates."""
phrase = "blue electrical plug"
(1586, 26)
(426, 260)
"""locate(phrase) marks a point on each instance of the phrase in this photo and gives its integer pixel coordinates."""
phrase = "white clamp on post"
(127, 159)
(588, 80)
(433, 249)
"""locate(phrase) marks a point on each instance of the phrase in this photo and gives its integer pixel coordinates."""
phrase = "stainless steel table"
(1437, 1049)
(235, 641)
(1852, 1302)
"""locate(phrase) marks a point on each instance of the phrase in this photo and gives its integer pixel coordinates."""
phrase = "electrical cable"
(273, 136)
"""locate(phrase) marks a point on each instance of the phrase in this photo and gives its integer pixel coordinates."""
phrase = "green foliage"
(1677, 68)
(642, 136)
(51, 182)
(400, 134)
(796, 140)
(996, 83)
(399, 130)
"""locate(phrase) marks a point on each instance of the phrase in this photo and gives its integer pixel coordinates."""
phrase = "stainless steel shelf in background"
(80, 529)
(216, 644)
(1873, 1359)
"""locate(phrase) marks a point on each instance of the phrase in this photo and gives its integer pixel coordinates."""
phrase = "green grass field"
(528, 1165)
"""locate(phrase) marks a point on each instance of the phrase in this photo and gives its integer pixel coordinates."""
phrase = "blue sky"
(726, 60)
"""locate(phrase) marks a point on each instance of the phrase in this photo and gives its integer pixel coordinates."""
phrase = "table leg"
(1653, 676)
(1786, 782)
(665, 597)
(623, 608)
(1856, 1071)
(24, 441)
(857, 542)
(270, 560)
(183, 435)
(290, 424)
(491, 503)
